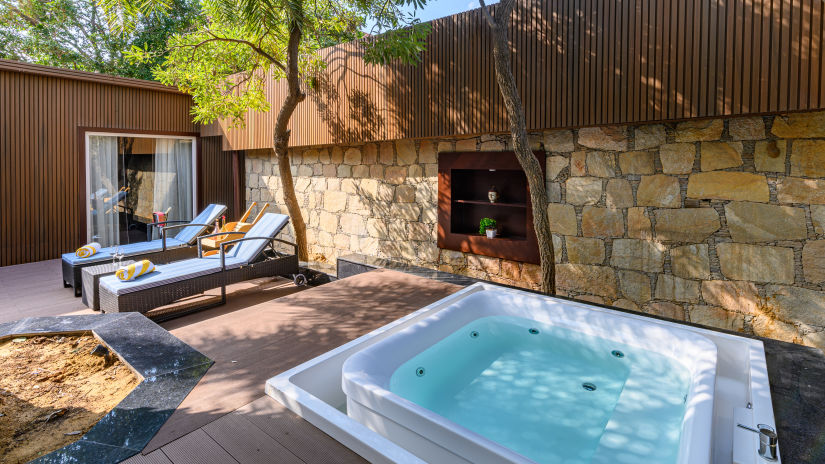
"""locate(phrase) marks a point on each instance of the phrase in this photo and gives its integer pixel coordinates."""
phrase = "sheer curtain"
(173, 178)
(103, 186)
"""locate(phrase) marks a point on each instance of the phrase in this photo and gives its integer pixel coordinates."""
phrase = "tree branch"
(251, 45)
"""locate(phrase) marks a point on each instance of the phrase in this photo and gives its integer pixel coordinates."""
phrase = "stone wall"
(719, 222)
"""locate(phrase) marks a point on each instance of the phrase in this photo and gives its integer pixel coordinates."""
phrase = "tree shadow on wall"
(359, 119)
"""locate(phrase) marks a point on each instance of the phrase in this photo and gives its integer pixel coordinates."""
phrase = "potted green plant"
(488, 226)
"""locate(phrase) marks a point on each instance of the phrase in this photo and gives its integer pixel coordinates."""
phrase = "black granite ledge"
(796, 372)
(169, 369)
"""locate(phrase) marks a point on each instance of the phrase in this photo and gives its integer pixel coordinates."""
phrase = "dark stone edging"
(169, 369)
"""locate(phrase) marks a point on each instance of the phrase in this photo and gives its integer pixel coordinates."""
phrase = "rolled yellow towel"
(135, 270)
(87, 250)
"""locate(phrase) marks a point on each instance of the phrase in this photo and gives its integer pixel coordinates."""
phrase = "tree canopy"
(76, 34)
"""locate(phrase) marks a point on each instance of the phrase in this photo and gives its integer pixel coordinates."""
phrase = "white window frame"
(144, 136)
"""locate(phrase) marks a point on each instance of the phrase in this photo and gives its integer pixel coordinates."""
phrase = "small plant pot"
(491, 233)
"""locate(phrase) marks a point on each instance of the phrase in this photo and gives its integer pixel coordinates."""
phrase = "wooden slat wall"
(217, 179)
(40, 159)
(577, 63)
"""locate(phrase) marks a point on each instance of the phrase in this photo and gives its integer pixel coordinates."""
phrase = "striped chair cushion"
(270, 225)
(132, 249)
(208, 216)
(164, 274)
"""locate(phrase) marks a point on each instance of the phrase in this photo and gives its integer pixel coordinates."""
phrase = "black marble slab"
(796, 373)
(169, 370)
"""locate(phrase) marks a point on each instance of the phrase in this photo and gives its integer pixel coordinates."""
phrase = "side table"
(91, 279)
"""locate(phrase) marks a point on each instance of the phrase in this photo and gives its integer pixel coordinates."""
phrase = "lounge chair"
(230, 227)
(251, 256)
(163, 250)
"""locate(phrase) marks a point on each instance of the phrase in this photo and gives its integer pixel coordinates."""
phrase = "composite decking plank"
(197, 448)
(155, 457)
(247, 443)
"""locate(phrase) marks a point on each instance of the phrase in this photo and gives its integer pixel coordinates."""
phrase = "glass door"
(129, 178)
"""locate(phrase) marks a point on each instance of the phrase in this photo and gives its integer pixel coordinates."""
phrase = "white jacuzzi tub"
(461, 384)
(741, 393)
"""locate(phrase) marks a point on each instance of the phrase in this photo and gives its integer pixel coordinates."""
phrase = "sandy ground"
(53, 390)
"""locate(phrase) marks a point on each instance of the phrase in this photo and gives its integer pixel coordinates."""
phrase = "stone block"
(353, 224)
(690, 261)
(562, 219)
(560, 141)
(386, 153)
(601, 164)
(640, 255)
(797, 190)
(603, 138)
(625, 304)
(466, 144)
(583, 190)
(602, 222)
(405, 194)
(649, 136)
(395, 174)
(328, 222)
(666, 309)
(814, 339)
(553, 192)
(739, 296)
(585, 278)
(405, 151)
(445, 146)
(352, 156)
(344, 170)
(724, 185)
(769, 155)
(796, 304)
(634, 285)
(749, 128)
(337, 156)
(487, 264)
(818, 218)
(758, 222)
(324, 156)
(808, 158)
(590, 299)
(659, 190)
(713, 316)
(555, 164)
(427, 152)
(454, 258)
(813, 261)
(674, 288)
(638, 224)
(408, 211)
(618, 194)
(697, 130)
(583, 250)
(636, 162)
(767, 326)
(492, 145)
(677, 158)
(578, 164)
(510, 270)
(361, 171)
(335, 201)
(370, 154)
(756, 263)
(377, 228)
(720, 155)
(799, 125)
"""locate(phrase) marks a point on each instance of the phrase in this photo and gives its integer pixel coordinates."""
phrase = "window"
(129, 178)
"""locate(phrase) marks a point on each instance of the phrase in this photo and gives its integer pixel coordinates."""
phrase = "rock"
(796, 190)
(583, 190)
(818, 218)
(758, 222)
(558, 247)
(766, 326)
(405, 194)
(640, 255)
(590, 299)
(690, 261)
(603, 138)
(395, 174)
(510, 270)
(407, 211)
(634, 285)
(625, 304)
(455, 258)
(427, 152)
(659, 190)
(386, 153)
(649, 136)
(796, 304)
(559, 141)
(799, 125)
(739, 296)
(553, 192)
(769, 155)
(466, 144)
(674, 288)
(352, 156)
(713, 316)
(602, 222)
(487, 264)
(335, 201)
(699, 130)
(583, 250)
(100, 351)
(666, 309)
(756, 263)
(720, 155)
(692, 225)
(638, 224)
(584, 278)
(723, 185)
(492, 145)
(636, 162)
(601, 164)
(808, 158)
(562, 219)
(328, 222)
(337, 155)
(813, 261)
(555, 165)
(354, 224)
(405, 151)
(814, 339)
(677, 158)
(618, 194)
(578, 164)
(748, 128)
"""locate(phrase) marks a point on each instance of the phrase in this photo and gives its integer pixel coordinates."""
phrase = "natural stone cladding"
(715, 221)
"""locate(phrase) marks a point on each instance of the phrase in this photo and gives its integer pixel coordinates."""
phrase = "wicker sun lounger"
(162, 250)
(251, 256)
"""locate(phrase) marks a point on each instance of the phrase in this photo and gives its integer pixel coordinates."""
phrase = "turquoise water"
(525, 391)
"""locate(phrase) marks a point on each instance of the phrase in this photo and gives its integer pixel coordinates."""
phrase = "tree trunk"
(521, 144)
(280, 136)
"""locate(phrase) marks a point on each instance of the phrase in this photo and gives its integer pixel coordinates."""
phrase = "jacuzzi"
(409, 393)
(508, 377)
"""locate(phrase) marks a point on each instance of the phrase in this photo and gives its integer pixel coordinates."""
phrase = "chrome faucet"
(767, 440)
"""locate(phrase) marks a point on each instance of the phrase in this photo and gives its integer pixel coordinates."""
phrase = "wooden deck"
(267, 327)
